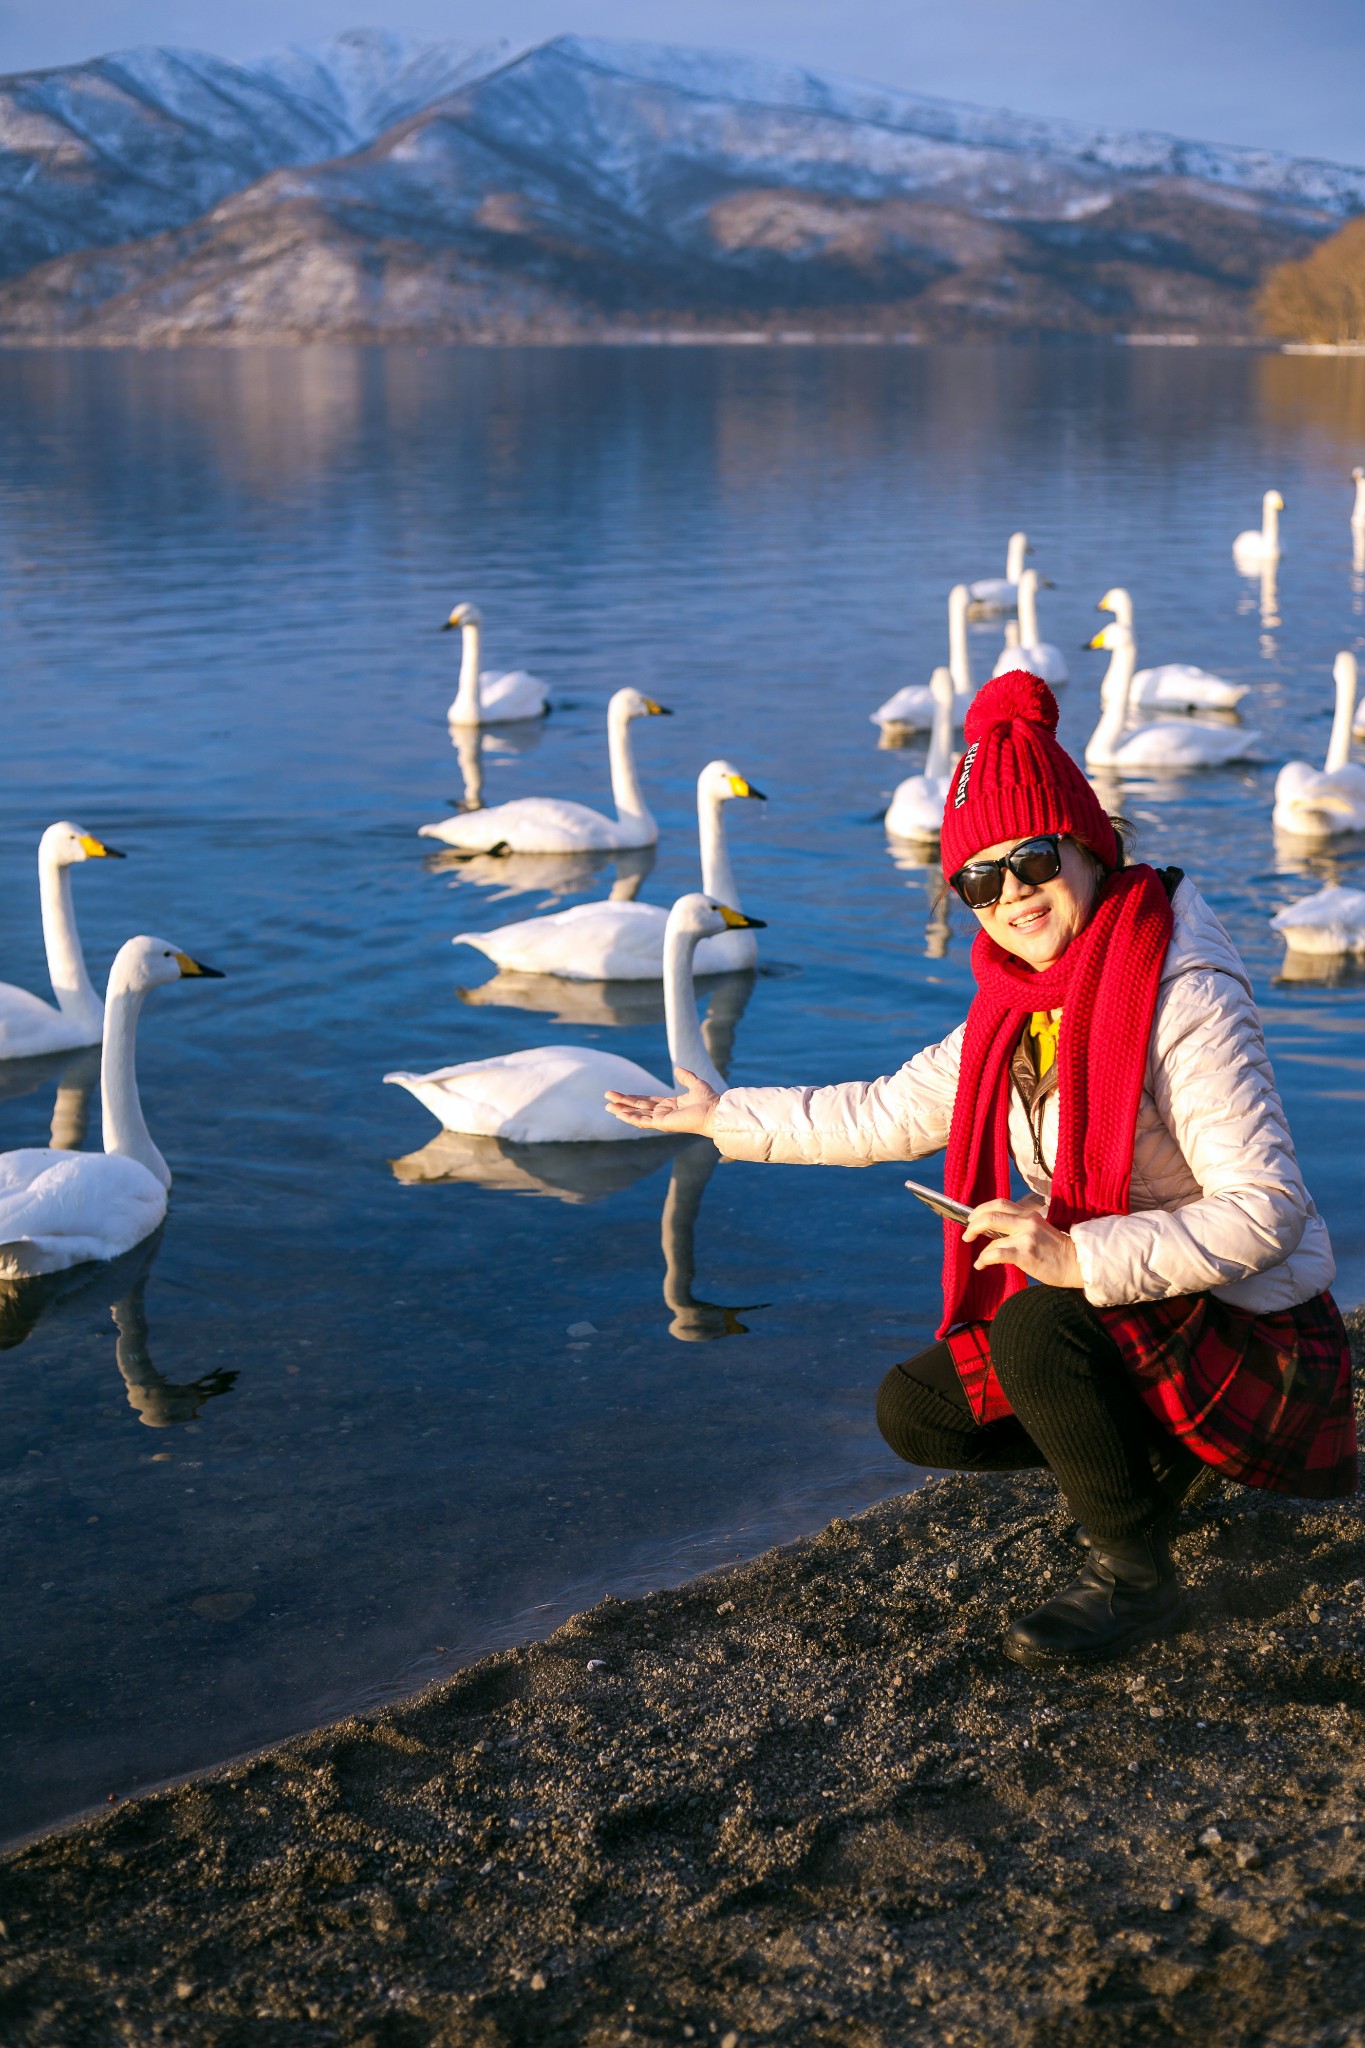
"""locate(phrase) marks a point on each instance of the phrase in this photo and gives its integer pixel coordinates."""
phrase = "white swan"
(1258, 545)
(482, 697)
(552, 824)
(1358, 508)
(1332, 922)
(624, 941)
(58, 1209)
(552, 1094)
(1165, 743)
(912, 709)
(1171, 685)
(1031, 651)
(916, 807)
(990, 595)
(28, 1025)
(1318, 803)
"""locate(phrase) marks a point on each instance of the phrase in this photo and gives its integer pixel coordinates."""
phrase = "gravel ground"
(805, 1802)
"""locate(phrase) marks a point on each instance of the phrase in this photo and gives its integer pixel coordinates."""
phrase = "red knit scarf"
(1106, 985)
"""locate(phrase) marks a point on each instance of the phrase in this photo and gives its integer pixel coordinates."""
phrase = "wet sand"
(805, 1802)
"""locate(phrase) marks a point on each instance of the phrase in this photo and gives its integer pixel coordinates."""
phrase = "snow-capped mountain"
(440, 192)
(148, 139)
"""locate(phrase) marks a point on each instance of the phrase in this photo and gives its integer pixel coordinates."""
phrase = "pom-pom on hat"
(1014, 779)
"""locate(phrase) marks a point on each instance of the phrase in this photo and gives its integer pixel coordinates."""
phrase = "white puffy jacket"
(1217, 1200)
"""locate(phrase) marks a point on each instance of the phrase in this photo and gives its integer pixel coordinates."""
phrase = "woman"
(1179, 1326)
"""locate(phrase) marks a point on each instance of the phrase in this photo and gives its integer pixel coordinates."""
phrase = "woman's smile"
(1037, 921)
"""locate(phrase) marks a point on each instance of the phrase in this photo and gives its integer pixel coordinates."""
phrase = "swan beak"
(447, 625)
(95, 849)
(739, 787)
(736, 921)
(190, 968)
(656, 710)
(1098, 640)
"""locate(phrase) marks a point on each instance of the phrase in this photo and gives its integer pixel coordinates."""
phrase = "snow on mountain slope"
(585, 183)
(148, 139)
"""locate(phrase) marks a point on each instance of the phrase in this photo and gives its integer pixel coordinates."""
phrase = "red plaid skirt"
(1265, 1399)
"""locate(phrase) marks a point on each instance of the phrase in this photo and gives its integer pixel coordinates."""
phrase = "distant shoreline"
(671, 338)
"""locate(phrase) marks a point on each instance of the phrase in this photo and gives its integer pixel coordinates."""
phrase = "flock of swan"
(1173, 718)
(61, 1208)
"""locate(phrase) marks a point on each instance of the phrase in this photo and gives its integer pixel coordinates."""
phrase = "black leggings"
(1075, 1410)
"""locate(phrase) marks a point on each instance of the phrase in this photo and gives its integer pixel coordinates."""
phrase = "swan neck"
(65, 960)
(939, 759)
(1270, 528)
(1114, 690)
(717, 875)
(468, 704)
(1028, 612)
(1014, 557)
(959, 659)
(1358, 509)
(686, 1046)
(125, 1128)
(625, 782)
(1339, 746)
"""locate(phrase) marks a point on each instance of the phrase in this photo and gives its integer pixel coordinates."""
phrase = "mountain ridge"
(580, 186)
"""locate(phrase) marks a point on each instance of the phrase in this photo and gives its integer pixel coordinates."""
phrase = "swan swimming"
(912, 708)
(1165, 743)
(624, 941)
(552, 824)
(1318, 803)
(58, 1209)
(990, 595)
(1332, 922)
(28, 1025)
(916, 807)
(1172, 685)
(1252, 550)
(483, 697)
(1031, 651)
(554, 1093)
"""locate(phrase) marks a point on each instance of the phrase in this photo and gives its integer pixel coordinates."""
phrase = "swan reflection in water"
(157, 1402)
(580, 1173)
(912, 857)
(552, 874)
(501, 745)
(77, 1076)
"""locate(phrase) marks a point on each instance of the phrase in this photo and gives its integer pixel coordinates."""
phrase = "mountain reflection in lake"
(360, 1419)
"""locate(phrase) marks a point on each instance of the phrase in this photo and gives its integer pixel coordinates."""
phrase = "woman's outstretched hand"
(691, 1111)
(1020, 1235)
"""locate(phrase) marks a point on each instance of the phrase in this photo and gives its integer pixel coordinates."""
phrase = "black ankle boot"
(1124, 1594)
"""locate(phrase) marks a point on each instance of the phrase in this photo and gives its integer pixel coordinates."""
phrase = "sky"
(1287, 77)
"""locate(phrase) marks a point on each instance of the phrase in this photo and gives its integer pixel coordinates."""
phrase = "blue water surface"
(354, 1429)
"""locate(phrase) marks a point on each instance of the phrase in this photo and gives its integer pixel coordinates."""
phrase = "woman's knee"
(915, 1421)
(1032, 1332)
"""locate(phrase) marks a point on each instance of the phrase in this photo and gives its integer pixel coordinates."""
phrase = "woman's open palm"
(691, 1111)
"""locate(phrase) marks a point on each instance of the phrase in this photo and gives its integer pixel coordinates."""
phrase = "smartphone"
(942, 1205)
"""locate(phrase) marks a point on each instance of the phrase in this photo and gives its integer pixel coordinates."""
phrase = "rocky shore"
(805, 1802)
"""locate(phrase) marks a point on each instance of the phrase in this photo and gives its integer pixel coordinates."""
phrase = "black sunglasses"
(1033, 860)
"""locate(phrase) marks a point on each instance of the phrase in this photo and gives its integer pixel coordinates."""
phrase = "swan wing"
(518, 694)
(1042, 659)
(1176, 683)
(1332, 921)
(28, 1025)
(591, 942)
(1165, 745)
(994, 593)
(59, 1209)
(530, 824)
(916, 807)
(546, 1094)
(913, 707)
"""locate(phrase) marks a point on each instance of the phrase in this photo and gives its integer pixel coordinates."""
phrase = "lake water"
(349, 1436)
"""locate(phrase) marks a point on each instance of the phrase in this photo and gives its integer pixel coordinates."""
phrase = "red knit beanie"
(1014, 780)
